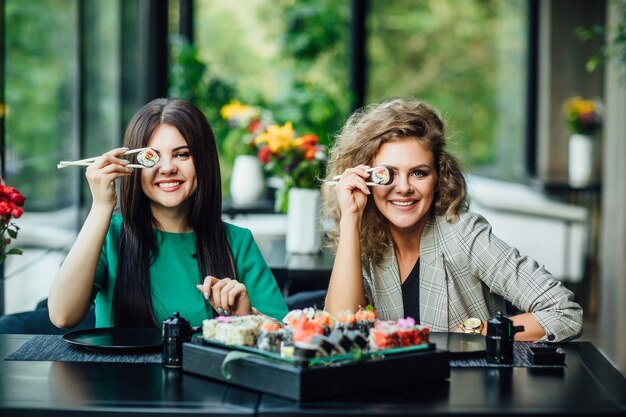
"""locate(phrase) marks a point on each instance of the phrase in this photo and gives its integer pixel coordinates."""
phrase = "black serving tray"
(302, 381)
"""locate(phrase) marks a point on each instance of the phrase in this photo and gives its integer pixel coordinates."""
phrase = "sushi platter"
(287, 362)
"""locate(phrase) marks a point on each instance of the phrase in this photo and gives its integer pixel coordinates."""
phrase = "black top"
(411, 293)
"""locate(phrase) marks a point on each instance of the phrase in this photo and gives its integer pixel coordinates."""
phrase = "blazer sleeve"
(519, 279)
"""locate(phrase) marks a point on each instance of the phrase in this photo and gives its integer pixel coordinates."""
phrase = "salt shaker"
(176, 331)
(500, 332)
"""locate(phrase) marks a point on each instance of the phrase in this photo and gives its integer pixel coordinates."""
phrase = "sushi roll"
(395, 334)
(325, 320)
(304, 351)
(148, 158)
(304, 329)
(358, 339)
(270, 337)
(382, 175)
(346, 320)
(365, 319)
(340, 341)
(325, 346)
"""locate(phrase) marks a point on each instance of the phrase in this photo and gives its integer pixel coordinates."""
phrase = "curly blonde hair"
(359, 141)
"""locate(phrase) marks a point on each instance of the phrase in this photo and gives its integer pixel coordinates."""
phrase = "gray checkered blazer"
(466, 271)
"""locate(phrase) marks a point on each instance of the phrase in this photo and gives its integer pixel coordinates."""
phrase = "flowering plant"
(11, 202)
(246, 123)
(583, 116)
(297, 160)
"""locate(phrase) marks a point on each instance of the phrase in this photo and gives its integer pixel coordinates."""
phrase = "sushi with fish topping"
(365, 319)
(381, 175)
(148, 158)
(270, 337)
(396, 334)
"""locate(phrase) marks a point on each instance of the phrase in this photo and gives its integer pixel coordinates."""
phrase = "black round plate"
(117, 339)
(459, 344)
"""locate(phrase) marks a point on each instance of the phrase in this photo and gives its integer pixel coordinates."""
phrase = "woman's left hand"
(227, 296)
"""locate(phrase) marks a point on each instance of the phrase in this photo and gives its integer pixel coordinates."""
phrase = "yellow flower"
(235, 109)
(278, 138)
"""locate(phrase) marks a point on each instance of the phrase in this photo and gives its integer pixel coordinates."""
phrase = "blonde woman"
(413, 248)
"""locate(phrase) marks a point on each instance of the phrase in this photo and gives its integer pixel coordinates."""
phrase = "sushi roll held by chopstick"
(380, 175)
(147, 158)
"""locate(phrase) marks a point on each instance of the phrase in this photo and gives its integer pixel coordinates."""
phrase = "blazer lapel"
(433, 280)
(387, 291)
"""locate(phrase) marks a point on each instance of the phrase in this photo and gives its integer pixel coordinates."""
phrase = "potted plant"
(583, 116)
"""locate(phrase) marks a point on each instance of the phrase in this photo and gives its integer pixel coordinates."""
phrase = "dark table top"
(589, 384)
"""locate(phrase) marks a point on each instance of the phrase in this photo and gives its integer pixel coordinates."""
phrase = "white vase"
(246, 183)
(581, 157)
(304, 232)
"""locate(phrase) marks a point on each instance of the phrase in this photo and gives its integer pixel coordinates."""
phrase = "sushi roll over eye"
(381, 175)
(148, 157)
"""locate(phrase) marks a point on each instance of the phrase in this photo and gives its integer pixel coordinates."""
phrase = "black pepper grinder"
(500, 332)
(176, 331)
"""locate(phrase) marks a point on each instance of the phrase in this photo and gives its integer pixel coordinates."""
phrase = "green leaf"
(233, 355)
(15, 251)
(12, 233)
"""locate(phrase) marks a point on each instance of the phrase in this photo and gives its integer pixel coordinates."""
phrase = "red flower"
(254, 126)
(16, 212)
(265, 154)
(11, 202)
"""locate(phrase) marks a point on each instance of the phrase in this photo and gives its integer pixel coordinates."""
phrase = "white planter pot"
(246, 183)
(304, 232)
(581, 157)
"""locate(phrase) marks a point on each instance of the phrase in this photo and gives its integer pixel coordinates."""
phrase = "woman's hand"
(101, 176)
(227, 296)
(352, 191)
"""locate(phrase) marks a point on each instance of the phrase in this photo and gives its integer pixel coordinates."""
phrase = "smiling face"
(408, 200)
(172, 181)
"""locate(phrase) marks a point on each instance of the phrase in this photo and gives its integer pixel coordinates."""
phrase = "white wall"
(552, 233)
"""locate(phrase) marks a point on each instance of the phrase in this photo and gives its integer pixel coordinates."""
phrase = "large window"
(289, 57)
(41, 92)
(469, 61)
(466, 58)
(61, 81)
(75, 70)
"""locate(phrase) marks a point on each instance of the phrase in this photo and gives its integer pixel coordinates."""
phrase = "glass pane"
(41, 75)
(101, 122)
(469, 61)
(43, 126)
(41, 129)
(286, 56)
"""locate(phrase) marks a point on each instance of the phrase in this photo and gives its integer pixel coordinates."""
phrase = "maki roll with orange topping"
(346, 320)
(365, 319)
(381, 175)
(270, 337)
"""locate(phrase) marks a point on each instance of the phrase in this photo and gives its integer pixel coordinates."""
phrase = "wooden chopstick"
(336, 177)
(88, 161)
(64, 164)
(337, 182)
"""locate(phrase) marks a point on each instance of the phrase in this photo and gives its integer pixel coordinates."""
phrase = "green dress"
(174, 276)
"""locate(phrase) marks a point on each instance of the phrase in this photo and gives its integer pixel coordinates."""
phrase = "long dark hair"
(132, 301)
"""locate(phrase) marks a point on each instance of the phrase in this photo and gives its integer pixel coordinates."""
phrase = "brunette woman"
(167, 249)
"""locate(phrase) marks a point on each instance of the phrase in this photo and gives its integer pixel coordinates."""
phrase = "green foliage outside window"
(468, 60)
(40, 87)
(286, 56)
